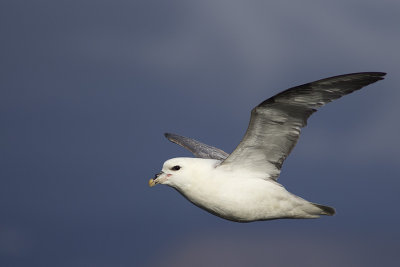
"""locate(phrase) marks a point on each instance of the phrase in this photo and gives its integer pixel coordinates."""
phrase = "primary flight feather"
(242, 186)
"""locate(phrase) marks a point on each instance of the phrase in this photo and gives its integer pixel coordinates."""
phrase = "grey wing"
(199, 149)
(275, 124)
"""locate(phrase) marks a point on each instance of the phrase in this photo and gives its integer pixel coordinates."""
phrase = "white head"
(179, 172)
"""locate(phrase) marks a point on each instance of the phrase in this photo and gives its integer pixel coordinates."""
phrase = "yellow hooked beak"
(152, 182)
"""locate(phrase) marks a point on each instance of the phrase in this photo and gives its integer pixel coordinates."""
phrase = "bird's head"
(173, 173)
(182, 172)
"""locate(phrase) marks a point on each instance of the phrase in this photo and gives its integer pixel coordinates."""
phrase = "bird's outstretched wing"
(199, 149)
(275, 124)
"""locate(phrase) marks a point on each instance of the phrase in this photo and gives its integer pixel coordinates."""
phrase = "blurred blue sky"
(88, 88)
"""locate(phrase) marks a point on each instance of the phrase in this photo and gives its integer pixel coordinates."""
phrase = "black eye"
(176, 168)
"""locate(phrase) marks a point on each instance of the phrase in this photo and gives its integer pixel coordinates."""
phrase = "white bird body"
(242, 186)
(240, 196)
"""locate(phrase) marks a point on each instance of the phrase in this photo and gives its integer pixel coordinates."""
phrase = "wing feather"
(199, 149)
(275, 124)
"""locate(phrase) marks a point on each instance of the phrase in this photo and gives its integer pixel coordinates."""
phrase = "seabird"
(242, 186)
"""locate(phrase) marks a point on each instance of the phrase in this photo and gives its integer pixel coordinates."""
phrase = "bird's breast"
(235, 198)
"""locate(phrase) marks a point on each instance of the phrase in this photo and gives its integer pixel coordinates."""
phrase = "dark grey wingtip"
(380, 74)
(168, 135)
(369, 73)
(376, 75)
(365, 77)
(199, 149)
(174, 138)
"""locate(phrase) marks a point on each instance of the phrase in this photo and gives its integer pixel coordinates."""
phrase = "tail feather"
(325, 210)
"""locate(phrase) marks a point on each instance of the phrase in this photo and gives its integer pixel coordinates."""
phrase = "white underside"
(241, 195)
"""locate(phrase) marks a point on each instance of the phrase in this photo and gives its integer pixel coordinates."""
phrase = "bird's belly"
(244, 200)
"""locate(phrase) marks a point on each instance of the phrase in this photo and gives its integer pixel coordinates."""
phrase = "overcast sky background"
(87, 89)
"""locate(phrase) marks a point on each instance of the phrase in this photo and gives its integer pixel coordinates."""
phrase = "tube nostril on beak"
(157, 174)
